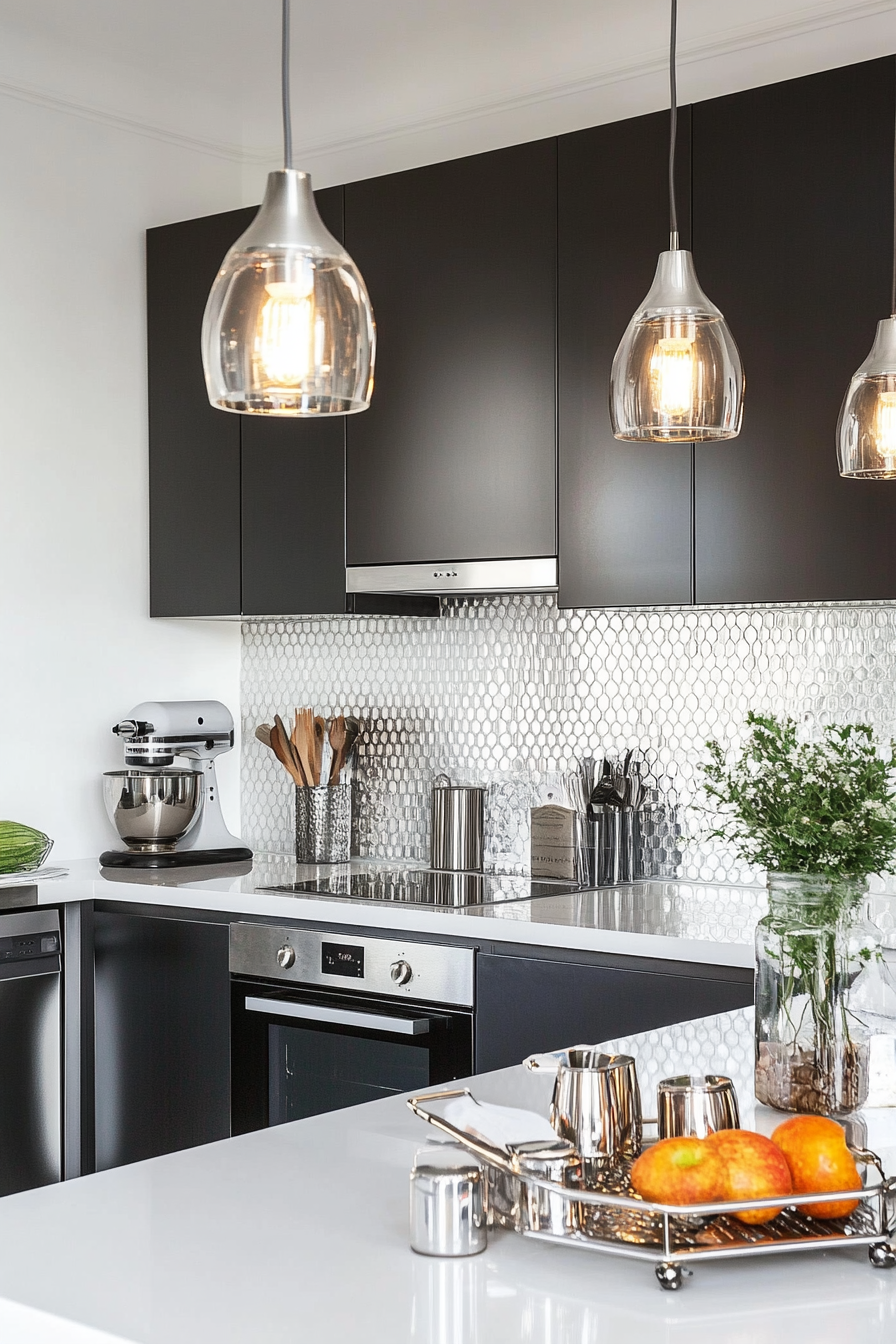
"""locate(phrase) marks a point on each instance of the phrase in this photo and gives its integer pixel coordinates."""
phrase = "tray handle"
(494, 1157)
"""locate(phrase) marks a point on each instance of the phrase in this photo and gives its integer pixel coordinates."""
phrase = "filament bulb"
(672, 370)
(287, 335)
(884, 429)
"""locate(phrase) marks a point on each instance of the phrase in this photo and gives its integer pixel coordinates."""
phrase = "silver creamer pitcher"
(596, 1104)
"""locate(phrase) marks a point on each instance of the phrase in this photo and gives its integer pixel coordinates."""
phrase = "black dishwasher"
(30, 1051)
(321, 1021)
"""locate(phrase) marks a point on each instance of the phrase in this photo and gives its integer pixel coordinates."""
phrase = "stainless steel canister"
(448, 1214)
(324, 824)
(458, 826)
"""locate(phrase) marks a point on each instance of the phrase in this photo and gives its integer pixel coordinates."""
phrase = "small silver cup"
(539, 1210)
(448, 1215)
(693, 1106)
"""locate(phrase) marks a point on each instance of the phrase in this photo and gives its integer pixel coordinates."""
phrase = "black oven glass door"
(297, 1054)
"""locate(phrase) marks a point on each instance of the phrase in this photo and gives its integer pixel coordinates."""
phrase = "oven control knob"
(286, 957)
(401, 972)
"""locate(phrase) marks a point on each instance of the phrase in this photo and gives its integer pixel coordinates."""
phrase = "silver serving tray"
(616, 1221)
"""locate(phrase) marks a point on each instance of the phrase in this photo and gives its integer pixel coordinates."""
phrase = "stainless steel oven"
(321, 1020)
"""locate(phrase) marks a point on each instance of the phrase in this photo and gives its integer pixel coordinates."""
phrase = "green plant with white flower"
(795, 806)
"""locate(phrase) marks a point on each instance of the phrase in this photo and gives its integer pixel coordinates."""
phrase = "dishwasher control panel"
(33, 945)
(425, 972)
(25, 937)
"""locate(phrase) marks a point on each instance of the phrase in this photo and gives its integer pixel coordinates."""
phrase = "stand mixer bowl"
(152, 809)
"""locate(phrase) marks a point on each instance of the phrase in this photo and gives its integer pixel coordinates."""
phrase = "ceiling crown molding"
(27, 93)
(650, 64)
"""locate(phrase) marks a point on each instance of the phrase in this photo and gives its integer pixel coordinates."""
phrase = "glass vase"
(811, 948)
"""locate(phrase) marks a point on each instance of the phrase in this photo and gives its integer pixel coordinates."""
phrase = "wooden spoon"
(263, 733)
(337, 742)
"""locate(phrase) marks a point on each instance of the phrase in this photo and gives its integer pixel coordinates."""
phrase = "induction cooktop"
(424, 886)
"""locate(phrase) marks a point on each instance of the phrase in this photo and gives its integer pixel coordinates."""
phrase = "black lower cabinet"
(162, 1036)
(528, 1004)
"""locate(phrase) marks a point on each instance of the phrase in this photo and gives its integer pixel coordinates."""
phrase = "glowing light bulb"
(884, 430)
(287, 340)
(672, 370)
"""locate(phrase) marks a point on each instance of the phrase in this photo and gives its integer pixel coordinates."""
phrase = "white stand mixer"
(171, 817)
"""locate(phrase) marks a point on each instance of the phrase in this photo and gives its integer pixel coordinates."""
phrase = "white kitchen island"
(298, 1235)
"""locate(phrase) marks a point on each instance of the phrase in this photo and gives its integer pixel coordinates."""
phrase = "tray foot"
(670, 1276)
(881, 1255)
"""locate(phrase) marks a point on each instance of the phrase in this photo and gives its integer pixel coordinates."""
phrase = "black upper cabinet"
(625, 508)
(792, 219)
(456, 457)
(293, 491)
(194, 450)
(246, 511)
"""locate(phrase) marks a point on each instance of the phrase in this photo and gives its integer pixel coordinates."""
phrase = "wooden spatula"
(281, 748)
(302, 739)
(319, 728)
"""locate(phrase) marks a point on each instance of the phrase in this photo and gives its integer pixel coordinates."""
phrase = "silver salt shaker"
(448, 1213)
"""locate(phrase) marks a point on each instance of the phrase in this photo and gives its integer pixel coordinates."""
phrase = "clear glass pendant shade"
(866, 430)
(677, 375)
(288, 327)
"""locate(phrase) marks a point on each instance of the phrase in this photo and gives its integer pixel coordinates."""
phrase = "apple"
(755, 1168)
(818, 1158)
(679, 1171)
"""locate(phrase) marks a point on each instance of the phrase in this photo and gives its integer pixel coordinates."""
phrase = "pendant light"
(288, 326)
(866, 429)
(677, 375)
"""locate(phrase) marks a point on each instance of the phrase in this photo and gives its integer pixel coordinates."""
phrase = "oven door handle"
(340, 1017)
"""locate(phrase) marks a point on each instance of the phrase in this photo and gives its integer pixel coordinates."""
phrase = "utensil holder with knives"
(615, 815)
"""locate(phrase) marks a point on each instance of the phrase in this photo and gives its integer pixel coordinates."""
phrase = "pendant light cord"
(893, 289)
(673, 130)
(284, 76)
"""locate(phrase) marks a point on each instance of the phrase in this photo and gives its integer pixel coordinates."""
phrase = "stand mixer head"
(166, 816)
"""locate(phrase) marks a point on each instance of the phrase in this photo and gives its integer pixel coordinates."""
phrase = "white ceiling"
(387, 84)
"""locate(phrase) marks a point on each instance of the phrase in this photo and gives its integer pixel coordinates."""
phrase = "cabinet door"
(526, 1004)
(194, 450)
(792, 217)
(456, 457)
(625, 508)
(293, 493)
(162, 1036)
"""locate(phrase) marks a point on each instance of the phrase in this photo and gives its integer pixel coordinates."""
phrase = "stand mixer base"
(185, 858)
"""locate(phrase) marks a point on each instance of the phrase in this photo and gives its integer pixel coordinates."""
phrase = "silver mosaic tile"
(512, 692)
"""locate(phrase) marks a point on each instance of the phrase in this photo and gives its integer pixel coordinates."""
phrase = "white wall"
(77, 647)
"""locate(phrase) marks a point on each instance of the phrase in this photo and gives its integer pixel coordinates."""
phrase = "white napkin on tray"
(497, 1125)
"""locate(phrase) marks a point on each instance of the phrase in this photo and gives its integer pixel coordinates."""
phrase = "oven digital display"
(337, 959)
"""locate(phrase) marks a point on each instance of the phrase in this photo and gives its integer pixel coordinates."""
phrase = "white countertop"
(299, 1234)
(678, 921)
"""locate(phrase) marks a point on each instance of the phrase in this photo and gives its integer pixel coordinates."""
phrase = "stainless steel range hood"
(537, 574)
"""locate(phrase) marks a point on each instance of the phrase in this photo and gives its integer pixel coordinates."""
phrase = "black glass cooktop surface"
(424, 886)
